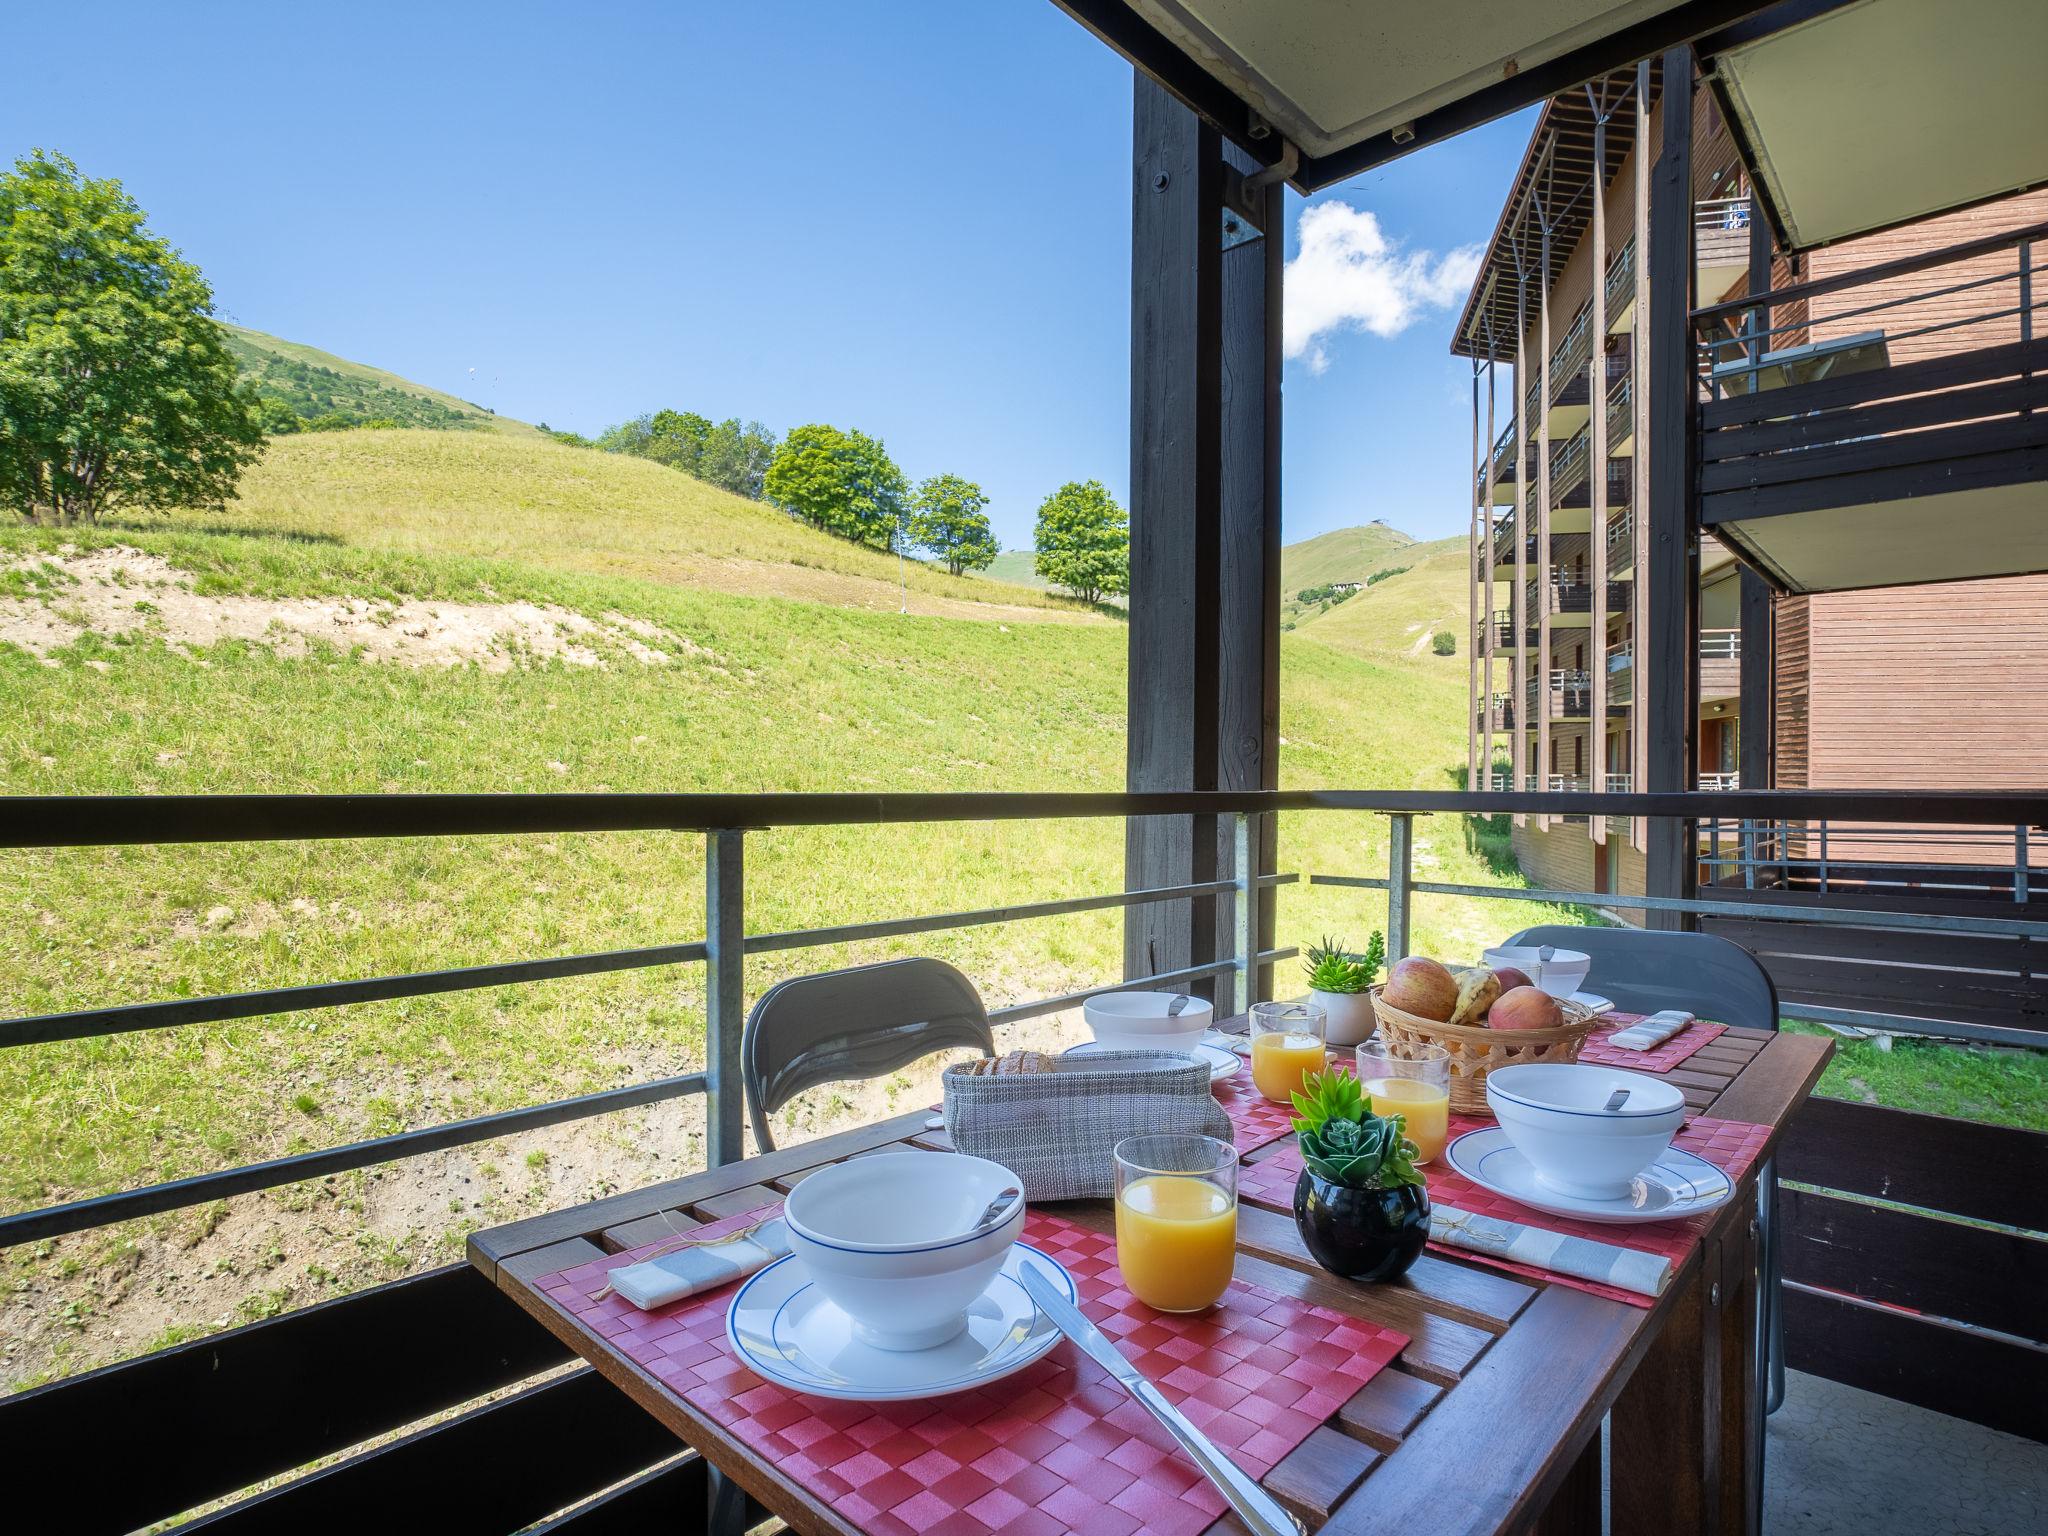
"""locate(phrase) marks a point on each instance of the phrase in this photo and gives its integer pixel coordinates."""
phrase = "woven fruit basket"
(1476, 1050)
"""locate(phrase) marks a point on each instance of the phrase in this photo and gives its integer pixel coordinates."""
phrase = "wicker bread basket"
(1476, 1050)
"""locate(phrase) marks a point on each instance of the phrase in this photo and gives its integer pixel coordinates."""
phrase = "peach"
(1510, 978)
(1422, 987)
(1525, 1008)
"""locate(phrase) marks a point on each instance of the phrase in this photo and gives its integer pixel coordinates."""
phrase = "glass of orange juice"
(1287, 1045)
(1176, 1219)
(1413, 1081)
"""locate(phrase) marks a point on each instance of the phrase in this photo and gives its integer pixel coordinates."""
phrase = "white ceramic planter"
(1348, 1016)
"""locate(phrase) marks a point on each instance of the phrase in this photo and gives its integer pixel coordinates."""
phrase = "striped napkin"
(1652, 1031)
(701, 1266)
(1580, 1257)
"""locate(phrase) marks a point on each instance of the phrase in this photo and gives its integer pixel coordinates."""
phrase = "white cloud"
(1350, 276)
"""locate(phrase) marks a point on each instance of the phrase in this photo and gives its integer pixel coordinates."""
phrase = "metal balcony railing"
(726, 821)
(1621, 277)
(1720, 645)
(1618, 783)
(1720, 781)
(1720, 230)
(1621, 407)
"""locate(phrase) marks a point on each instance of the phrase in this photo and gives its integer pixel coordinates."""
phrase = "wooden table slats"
(1489, 1420)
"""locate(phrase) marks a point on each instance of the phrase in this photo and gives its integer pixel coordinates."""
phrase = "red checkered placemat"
(1254, 1118)
(1666, 1056)
(1729, 1144)
(1056, 1447)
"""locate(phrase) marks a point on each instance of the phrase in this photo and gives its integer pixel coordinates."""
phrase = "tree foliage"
(117, 392)
(729, 454)
(949, 518)
(1084, 541)
(843, 482)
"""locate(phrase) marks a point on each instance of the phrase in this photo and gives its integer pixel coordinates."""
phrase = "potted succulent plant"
(1362, 1207)
(1338, 980)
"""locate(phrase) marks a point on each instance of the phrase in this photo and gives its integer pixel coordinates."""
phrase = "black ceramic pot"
(1364, 1234)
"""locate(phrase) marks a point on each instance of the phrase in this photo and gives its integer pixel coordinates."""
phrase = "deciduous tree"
(117, 390)
(1084, 541)
(949, 517)
(843, 482)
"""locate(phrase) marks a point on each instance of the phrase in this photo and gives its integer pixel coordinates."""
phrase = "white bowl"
(1561, 975)
(1137, 1021)
(1552, 1112)
(885, 1239)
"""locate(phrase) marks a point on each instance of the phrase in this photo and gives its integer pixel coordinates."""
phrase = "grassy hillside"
(1018, 566)
(311, 641)
(488, 496)
(315, 383)
(1342, 554)
(1395, 617)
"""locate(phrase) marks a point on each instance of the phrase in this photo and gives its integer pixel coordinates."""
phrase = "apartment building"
(1902, 685)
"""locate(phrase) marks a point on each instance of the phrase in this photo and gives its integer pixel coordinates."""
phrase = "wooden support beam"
(1248, 571)
(1596, 399)
(1667, 641)
(1205, 521)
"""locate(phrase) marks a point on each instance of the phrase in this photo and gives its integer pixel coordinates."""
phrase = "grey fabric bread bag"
(1055, 1130)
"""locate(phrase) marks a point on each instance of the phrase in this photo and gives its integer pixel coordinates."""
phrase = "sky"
(906, 216)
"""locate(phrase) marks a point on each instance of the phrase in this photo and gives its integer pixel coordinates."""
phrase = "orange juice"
(1176, 1241)
(1280, 1062)
(1427, 1109)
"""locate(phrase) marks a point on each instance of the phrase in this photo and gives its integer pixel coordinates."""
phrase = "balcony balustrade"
(1718, 781)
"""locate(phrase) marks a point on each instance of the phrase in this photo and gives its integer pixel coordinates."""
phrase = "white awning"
(1885, 111)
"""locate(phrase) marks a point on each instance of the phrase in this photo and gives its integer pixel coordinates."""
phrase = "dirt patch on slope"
(124, 591)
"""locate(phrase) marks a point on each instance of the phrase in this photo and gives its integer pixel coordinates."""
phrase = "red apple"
(1525, 1008)
(1511, 978)
(1422, 987)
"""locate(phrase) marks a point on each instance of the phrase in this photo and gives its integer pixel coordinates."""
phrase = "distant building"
(1892, 686)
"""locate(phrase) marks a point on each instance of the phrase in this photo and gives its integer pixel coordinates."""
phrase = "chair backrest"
(1644, 970)
(841, 1026)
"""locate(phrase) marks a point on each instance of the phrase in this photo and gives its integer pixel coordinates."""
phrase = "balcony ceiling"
(1878, 112)
(1353, 85)
(1999, 530)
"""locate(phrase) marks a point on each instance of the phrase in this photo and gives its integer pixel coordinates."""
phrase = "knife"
(1258, 1509)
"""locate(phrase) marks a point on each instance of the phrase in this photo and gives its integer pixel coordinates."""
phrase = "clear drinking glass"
(1287, 1045)
(1176, 1219)
(1413, 1081)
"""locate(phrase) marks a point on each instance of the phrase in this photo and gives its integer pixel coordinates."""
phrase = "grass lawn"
(758, 693)
(1964, 1082)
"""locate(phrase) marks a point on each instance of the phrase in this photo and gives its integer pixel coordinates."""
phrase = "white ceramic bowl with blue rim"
(887, 1239)
(1555, 1114)
(1561, 975)
(1138, 1021)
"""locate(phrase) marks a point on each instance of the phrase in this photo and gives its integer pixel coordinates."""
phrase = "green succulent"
(1333, 968)
(1344, 1142)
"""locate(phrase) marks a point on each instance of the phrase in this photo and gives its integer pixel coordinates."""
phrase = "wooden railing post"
(725, 995)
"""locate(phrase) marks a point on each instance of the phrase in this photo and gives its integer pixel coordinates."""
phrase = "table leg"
(1575, 1507)
(725, 1512)
(1686, 1435)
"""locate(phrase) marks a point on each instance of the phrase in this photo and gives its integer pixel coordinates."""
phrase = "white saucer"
(1221, 1063)
(785, 1330)
(1678, 1184)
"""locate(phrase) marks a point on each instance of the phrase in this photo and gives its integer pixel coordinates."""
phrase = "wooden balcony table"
(1489, 1420)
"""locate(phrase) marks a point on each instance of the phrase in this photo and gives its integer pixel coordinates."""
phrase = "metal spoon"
(1616, 1099)
(1180, 1001)
(997, 1211)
